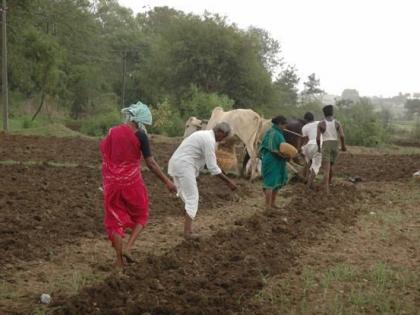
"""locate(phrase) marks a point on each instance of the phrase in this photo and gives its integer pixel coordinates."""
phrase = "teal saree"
(274, 170)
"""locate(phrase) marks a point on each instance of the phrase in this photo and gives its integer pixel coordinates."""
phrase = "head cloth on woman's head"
(139, 113)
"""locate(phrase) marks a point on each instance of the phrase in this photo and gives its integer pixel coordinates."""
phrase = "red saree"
(125, 195)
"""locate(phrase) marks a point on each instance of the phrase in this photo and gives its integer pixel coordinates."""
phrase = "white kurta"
(196, 151)
(310, 150)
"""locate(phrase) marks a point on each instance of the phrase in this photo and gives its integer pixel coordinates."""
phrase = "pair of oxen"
(248, 128)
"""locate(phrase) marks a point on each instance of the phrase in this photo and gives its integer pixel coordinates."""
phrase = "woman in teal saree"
(274, 170)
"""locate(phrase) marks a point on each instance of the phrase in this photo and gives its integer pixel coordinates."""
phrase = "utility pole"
(124, 56)
(4, 69)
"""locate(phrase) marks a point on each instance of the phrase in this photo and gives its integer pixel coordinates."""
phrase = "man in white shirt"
(310, 150)
(195, 152)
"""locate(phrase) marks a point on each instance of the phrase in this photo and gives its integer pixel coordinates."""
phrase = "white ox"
(245, 124)
(193, 124)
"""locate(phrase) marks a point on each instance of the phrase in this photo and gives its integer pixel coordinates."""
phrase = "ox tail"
(247, 155)
(256, 136)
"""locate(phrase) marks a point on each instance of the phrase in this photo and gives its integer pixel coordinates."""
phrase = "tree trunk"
(40, 105)
(44, 85)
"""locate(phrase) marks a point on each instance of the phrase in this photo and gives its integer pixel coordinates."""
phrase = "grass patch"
(385, 149)
(48, 163)
(49, 130)
(276, 296)
(41, 310)
(340, 272)
(6, 293)
(342, 289)
(42, 126)
(24, 122)
(73, 281)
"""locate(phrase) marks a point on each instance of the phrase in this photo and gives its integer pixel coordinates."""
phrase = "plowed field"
(52, 238)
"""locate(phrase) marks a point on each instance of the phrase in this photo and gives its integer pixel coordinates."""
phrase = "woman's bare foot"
(312, 187)
(119, 263)
(128, 258)
(191, 236)
(117, 243)
(127, 255)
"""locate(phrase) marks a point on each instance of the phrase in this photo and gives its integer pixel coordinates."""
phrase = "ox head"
(194, 124)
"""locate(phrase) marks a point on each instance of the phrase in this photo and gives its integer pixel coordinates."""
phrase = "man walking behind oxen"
(313, 157)
(195, 152)
(330, 129)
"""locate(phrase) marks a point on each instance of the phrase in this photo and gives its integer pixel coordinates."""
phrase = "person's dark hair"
(279, 120)
(328, 110)
(308, 117)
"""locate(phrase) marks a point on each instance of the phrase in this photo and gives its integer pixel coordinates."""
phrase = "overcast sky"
(369, 45)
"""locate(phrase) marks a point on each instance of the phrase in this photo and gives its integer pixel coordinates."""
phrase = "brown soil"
(35, 148)
(61, 150)
(44, 207)
(378, 167)
(216, 275)
(48, 210)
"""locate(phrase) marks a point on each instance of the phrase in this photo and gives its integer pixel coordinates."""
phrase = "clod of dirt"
(355, 179)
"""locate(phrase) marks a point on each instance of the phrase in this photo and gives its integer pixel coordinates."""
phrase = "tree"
(362, 125)
(350, 95)
(43, 55)
(74, 50)
(206, 52)
(412, 106)
(312, 91)
(312, 85)
(269, 49)
(286, 86)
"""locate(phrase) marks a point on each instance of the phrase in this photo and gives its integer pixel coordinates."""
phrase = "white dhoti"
(310, 151)
(196, 151)
(187, 190)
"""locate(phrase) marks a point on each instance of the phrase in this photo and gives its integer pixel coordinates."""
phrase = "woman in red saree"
(126, 199)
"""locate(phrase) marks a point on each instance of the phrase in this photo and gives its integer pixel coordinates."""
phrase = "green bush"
(24, 122)
(200, 104)
(166, 120)
(362, 125)
(415, 134)
(99, 125)
(169, 119)
(291, 111)
(27, 123)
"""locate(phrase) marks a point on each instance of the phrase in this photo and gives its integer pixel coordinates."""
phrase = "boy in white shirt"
(313, 157)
